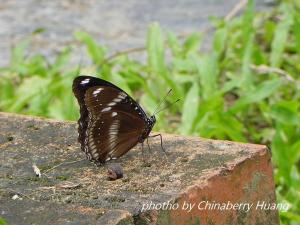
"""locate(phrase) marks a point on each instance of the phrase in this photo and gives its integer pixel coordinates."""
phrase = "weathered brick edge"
(250, 180)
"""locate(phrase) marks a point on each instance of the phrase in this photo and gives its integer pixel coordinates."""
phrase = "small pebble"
(184, 160)
(114, 171)
(15, 197)
(10, 138)
(36, 170)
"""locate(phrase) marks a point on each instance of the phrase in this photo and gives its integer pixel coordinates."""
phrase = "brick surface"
(74, 191)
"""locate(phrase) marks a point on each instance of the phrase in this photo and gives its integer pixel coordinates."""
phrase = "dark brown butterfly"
(111, 122)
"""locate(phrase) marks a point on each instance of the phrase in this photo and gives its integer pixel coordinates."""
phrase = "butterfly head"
(152, 119)
(150, 123)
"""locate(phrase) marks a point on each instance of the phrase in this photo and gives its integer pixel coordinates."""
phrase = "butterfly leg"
(143, 153)
(146, 163)
(148, 146)
(161, 145)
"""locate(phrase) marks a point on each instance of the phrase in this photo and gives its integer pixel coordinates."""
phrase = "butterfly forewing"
(100, 99)
(80, 85)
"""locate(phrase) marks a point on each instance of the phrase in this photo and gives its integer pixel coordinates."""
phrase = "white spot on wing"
(97, 91)
(91, 145)
(114, 114)
(85, 81)
(113, 134)
(122, 95)
(111, 104)
(119, 98)
(106, 109)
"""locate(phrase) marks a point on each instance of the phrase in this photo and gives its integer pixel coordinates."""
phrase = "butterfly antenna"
(159, 104)
(168, 106)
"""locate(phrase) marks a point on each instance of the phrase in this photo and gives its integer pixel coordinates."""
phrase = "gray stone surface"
(119, 24)
(80, 193)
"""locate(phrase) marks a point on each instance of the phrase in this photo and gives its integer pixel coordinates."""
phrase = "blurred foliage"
(3, 221)
(245, 88)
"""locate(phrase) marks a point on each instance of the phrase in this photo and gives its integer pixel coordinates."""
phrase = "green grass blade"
(190, 109)
(281, 36)
(261, 92)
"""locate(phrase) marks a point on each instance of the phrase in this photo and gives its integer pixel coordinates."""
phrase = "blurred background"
(117, 24)
(234, 64)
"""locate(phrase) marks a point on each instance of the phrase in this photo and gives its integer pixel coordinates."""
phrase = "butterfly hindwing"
(111, 135)
(112, 132)
(110, 122)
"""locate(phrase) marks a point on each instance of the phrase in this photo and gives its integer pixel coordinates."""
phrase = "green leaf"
(190, 109)
(208, 72)
(296, 30)
(181, 79)
(232, 128)
(61, 61)
(174, 44)
(3, 221)
(295, 152)
(291, 216)
(220, 38)
(155, 48)
(280, 156)
(269, 29)
(25, 93)
(7, 89)
(156, 58)
(192, 43)
(261, 92)
(184, 65)
(246, 82)
(37, 65)
(284, 115)
(18, 57)
(281, 36)
(247, 21)
(148, 103)
(295, 177)
(117, 79)
(206, 114)
(230, 85)
(39, 30)
(96, 51)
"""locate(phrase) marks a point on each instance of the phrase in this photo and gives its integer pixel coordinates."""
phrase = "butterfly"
(111, 122)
